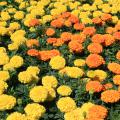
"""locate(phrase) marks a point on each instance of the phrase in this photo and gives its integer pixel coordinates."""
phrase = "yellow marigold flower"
(2, 50)
(8, 66)
(4, 59)
(16, 116)
(97, 14)
(46, 18)
(64, 90)
(100, 74)
(3, 3)
(11, 10)
(18, 1)
(3, 31)
(38, 94)
(115, 19)
(3, 23)
(7, 102)
(66, 104)
(79, 62)
(91, 74)
(14, 26)
(57, 62)
(16, 61)
(4, 75)
(13, 46)
(49, 81)
(19, 15)
(35, 110)
(3, 87)
(5, 16)
(33, 69)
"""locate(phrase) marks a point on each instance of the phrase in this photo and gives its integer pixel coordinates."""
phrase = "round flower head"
(7, 102)
(64, 90)
(98, 38)
(118, 55)
(3, 87)
(38, 94)
(57, 62)
(33, 69)
(35, 110)
(49, 81)
(89, 31)
(79, 62)
(91, 73)
(110, 96)
(16, 61)
(4, 75)
(32, 42)
(94, 86)
(94, 60)
(50, 32)
(66, 36)
(66, 104)
(116, 79)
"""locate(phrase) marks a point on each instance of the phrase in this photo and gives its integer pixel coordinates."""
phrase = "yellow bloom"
(5, 16)
(64, 90)
(2, 50)
(3, 87)
(49, 81)
(3, 23)
(14, 26)
(13, 46)
(4, 75)
(8, 66)
(11, 10)
(57, 62)
(18, 1)
(3, 3)
(7, 102)
(79, 62)
(38, 94)
(66, 104)
(91, 74)
(35, 110)
(19, 15)
(33, 69)
(115, 19)
(3, 31)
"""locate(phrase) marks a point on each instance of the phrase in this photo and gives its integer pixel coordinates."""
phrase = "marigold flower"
(34, 22)
(67, 23)
(66, 14)
(73, 19)
(110, 30)
(75, 46)
(79, 26)
(97, 111)
(116, 79)
(66, 104)
(107, 86)
(89, 31)
(114, 67)
(110, 96)
(94, 119)
(79, 62)
(51, 40)
(33, 52)
(95, 48)
(97, 20)
(59, 42)
(98, 38)
(117, 35)
(57, 23)
(50, 32)
(94, 60)
(94, 86)
(118, 55)
(66, 36)
(106, 17)
(32, 42)
(4, 76)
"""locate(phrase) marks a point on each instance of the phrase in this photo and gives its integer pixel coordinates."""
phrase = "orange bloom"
(94, 86)
(117, 35)
(33, 52)
(32, 42)
(107, 86)
(94, 119)
(116, 79)
(95, 48)
(97, 111)
(117, 26)
(50, 32)
(97, 20)
(57, 23)
(114, 67)
(109, 39)
(66, 36)
(34, 22)
(67, 23)
(110, 30)
(75, 46)
(66, 14)
(73, 19)
(79, 26)
(106, 17)
(89, 31)
(78, 37)
(59, 42)
(94, 60)
(110, 96)
(97, 38)
(118, 55)
(51, 40)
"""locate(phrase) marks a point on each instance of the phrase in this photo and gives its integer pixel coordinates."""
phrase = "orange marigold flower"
(94, 60)
(89, 31)
(75, 46)
(108, 39)
(117, 26)
(97, 111)
(118, 55)
(66, 36)
(110, 96)
(32, 42)
(107, 86)
(117, 35)
(94, 86)
(34, 22)
(97, 20)
(95, 48)
(57, 23)
(98, 38)
(116, 79)
(50, 32)
(67, 23)
(66, 14)
(32, 52)
(79, 26)
(110, 30)
(106, 17)
(114, 67)
(78, 37)
(59, 42)
(73, 19)
(51, 40)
